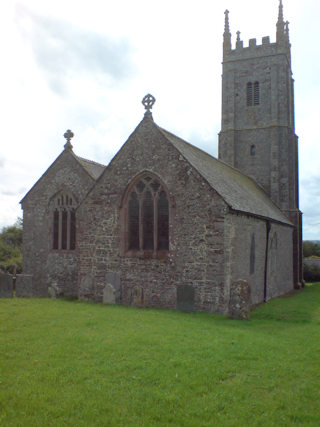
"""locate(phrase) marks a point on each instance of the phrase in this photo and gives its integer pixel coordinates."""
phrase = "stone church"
(166, 224)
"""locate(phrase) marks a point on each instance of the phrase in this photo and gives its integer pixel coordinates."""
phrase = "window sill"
(63, 251)
(147, 254)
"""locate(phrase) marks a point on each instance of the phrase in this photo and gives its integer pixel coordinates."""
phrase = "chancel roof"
(93, 168)
(239, 191)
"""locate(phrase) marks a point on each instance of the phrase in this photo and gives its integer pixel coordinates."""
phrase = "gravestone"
(24, 285)
(54, 291)
(6, 285)
(86, 287)
(109, 294)
(185, 298)
(240, 300)
(137, 296)
(113, 279)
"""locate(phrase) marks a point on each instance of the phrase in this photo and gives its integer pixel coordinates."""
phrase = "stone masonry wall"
(196, 256)
(280, 268)
(268, 126)
(245, 240)
(39, 259)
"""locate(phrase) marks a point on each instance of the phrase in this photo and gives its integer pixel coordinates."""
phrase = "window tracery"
(64, 222)
(148, 216)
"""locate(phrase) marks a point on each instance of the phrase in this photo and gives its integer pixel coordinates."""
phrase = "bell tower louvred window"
(148, 216)
(249, 94)
(253, 94)
(256, 93)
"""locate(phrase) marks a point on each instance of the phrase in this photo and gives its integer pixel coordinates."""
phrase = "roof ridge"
(90, 161)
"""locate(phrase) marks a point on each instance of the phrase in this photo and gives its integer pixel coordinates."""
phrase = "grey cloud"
(2, 162)
(13, 192)
(8, 193)
(63, 50)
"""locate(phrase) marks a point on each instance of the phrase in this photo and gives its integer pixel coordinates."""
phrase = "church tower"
(257, 125)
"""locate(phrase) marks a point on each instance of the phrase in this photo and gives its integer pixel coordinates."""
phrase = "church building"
(166, 224)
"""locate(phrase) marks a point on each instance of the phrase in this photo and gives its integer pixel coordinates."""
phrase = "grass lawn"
(71, 363)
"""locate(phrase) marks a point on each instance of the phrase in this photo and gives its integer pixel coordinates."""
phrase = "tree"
(311, 249)
(11, 247)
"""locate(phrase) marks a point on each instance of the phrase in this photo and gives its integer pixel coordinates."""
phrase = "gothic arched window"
(148, 216)
(64, 221)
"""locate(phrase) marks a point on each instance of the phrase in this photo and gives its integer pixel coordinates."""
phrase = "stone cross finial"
(68, 135)
(148, 102)
(238, 36)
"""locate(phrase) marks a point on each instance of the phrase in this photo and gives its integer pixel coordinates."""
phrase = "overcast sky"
(86, 65)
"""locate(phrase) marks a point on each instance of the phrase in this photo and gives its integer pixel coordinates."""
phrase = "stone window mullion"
(155, 222)
(60, 230)
(68, 228)
(64, 222)
(140, 223)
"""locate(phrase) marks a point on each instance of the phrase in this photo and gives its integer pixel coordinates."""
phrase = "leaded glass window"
(148, 216)
(64, 222)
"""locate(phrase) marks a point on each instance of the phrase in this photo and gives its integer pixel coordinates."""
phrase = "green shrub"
(311, 273)
(10, 248)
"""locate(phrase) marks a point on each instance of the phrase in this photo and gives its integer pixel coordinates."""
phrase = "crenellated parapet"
(253, 50)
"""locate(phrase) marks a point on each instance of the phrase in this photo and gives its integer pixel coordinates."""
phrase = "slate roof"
(239, 191)
(93, 168)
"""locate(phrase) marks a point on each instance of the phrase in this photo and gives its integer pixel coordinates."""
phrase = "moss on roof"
(239, 191)
(93, 168)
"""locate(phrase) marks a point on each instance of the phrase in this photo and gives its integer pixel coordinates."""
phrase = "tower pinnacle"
(226, 22)
(226, 34)
(280, 15)
(280, 24)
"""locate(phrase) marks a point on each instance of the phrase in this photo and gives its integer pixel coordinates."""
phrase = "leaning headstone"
(6, 285)
(240, 300)
(109, 295)
(24, 285)
(114, 280)
(54, 291)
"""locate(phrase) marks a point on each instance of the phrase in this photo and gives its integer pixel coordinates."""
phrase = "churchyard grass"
(71, 363)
